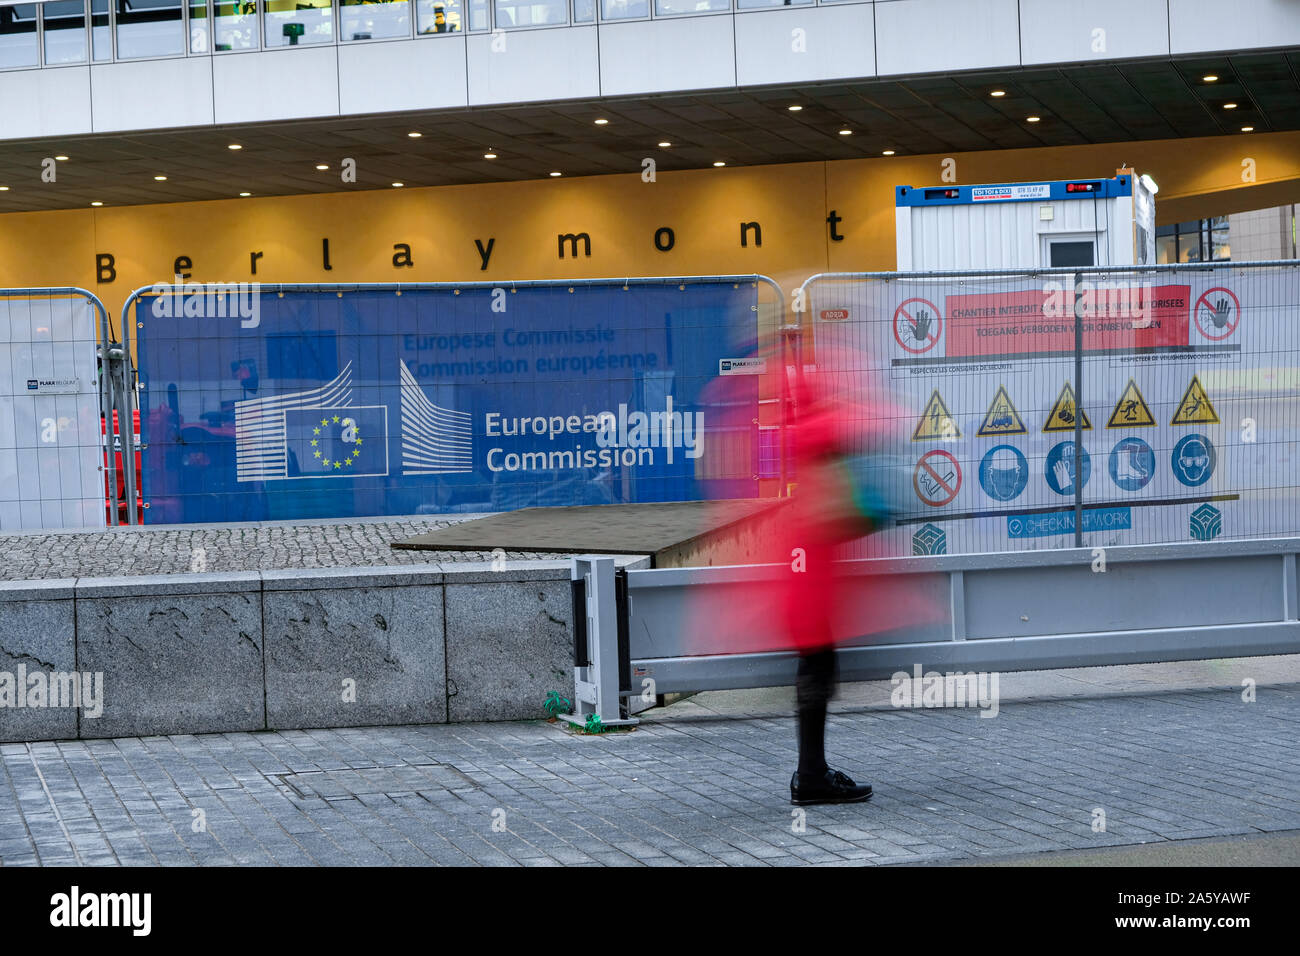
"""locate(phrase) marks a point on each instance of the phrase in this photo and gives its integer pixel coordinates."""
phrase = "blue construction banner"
(260, 405)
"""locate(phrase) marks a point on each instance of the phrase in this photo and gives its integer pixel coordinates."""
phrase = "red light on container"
(1081, 187)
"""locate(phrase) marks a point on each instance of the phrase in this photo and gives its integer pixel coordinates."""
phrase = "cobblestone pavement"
(263, 546)
(1163, 764)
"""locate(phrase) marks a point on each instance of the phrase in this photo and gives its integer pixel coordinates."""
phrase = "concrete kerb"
(294, 649)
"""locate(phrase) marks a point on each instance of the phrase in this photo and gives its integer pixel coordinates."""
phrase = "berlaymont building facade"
(458, 139)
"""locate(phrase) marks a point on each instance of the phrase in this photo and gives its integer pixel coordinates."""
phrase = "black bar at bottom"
(579, 590)
(624, 632)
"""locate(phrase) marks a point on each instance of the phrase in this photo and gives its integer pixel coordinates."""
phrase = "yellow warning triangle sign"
(935, 421)
(1062, 415)
(1002, 417)
(1131, 410)
(1195, 408)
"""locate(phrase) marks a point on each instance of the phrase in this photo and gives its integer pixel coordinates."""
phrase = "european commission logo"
(316, 433)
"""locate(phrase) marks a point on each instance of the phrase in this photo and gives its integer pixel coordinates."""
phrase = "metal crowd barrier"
(1170, 389)
(640, 632)
(770, 327)
(108, 367)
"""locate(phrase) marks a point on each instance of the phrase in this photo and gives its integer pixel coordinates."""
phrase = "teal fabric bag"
(881, 485)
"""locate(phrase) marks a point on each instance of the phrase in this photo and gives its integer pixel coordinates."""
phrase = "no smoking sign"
(937, 478)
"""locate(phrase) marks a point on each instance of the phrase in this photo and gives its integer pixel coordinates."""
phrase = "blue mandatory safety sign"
(1003, 472)
(1062, 522)
(1193, 460)
(1060, 470)
(1132, 464)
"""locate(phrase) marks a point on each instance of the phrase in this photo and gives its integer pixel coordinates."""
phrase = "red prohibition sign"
(938, 476)
(920, 325)
(1211, 302)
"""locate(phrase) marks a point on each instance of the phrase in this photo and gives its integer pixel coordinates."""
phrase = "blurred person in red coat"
(843, 422)
(821, 517)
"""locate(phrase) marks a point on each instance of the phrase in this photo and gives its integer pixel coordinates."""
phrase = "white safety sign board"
(1187, 423)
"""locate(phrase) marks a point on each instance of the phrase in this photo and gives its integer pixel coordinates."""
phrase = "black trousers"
(814, 686)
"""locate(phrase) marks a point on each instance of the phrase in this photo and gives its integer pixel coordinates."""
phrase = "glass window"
(1166, 250)
(624, 9)
(18, 36)
(665, 8)
(65, 32)
(234, 26)
(199, 27)
(100, 35)
(1071, 252)
(149, 28)
(531, 13)
(440, 16)
(1219, 243)
(375, 19)
(765, 4)
(584, 11)
(299, 23)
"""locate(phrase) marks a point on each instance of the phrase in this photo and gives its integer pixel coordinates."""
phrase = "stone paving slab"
(1164, 762)
(260, 546)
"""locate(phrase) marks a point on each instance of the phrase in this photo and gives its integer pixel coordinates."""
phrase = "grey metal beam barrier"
(596, 621)
(1004, 612)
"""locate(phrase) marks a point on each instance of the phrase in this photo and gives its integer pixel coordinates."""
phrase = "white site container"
(1081, 222)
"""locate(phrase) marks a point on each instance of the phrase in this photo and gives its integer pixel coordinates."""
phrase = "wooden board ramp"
(672, 533)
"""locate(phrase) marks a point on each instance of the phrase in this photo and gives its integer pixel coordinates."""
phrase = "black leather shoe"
(830, 787)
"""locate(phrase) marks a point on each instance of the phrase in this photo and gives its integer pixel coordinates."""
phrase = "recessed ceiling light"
(160, 179)
(1033, 119)
(665, 144)
(1229, 106)
(489, 155)
(322, 166)
(245, 194)
(4, 189)
(97, 203)
(719, 163)
(414, 135)
(997, 93)
(1210, 78)
(846, 132)
(888, 152)
(234, 146)
(62, 159)
(794, 109)
(557, 173)
(601, 122)
(398, 185)
(1248, 129)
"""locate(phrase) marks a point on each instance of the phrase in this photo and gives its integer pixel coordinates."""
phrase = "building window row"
(1202, 240)
(59, 32)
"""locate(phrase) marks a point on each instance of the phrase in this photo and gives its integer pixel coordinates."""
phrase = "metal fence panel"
(51, 439)
(1091, 408)
(335, 401)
